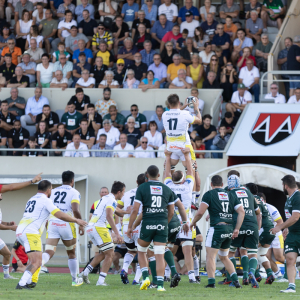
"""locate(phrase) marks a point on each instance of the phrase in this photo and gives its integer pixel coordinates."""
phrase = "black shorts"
(179, 254)
(122, 251)
(15, 266)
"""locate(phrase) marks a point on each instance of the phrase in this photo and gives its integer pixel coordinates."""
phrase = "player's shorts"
(98, 235)
(266, 237)
(174, 229)
(278, 242)
(61, 230)
(133, 240)
(15, 266)
(292, 243)
(219, 237)
(247, 238)
(2, 244)
(154, 230)
(177, 153)
(179, 254)
(30, 241)
(122, 251)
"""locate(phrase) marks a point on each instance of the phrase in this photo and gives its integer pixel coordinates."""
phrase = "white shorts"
(30, 241)
(61, 230)
(2, 244)
(98, 235)
(136, 234)
(278, 242)
(181, 235)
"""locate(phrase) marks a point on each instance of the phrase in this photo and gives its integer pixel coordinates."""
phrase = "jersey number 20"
(156, 201)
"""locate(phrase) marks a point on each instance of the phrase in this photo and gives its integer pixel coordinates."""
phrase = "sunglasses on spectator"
(10, 43)
(130, 122)
(274, 88)
(144, 142)
(121, 65)
(133, 109)
(62, 58)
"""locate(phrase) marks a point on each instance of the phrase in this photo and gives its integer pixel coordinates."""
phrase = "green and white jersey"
(221, 206)
(246, 198)
(275, 5)
(155, 198)
(266, 222)
(292, 204)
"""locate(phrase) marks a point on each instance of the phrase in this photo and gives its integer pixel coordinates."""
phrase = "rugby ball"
(191, 101)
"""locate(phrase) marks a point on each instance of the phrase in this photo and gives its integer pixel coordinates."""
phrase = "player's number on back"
(245, 202)
(225, 206)
(63, 195)
(30, 206)
(132, 199)
(173, 123)
(156, 201)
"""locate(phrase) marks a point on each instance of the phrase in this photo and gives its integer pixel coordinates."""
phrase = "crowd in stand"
(144, 45)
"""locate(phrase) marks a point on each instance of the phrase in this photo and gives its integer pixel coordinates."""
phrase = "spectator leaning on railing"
(123, 146)
(140, 152)
(220, 141)
(101, 145)
(278, 98)
(78, 146)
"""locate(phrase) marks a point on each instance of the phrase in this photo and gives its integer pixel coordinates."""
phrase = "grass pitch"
(58, 286)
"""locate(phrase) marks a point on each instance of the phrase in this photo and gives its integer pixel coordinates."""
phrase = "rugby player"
(67, 199)
(30, 228)
(292, 228)
(221, 207)
(99, 234)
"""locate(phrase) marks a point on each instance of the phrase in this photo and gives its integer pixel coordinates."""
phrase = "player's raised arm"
(168, 164)
(198, 117)
(65, 217)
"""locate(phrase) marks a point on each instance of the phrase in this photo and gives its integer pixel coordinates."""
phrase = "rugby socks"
(160, 281)
(269, 272)
(72, 263)
(145, 273)
(128, 258)
(192, 275)
(45, 258)
(292, 286)
(88, 270)
(35, 276)
(25, 278)
(257, 274)
(5, 270)
(152, 266)
(232, 259)
(252, 264)
(169, 258)
(245, 265)
(196, 265)
(278, 273)
(211, 280)
(197, 196)
(102, 277)
(138, 273)
(167, 272)
(285, 271)
(233, 276)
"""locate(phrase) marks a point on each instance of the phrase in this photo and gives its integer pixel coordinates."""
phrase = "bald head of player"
(141, 179)
(252, 187)
(152, 173)
(173, 101)
(45, 187)
(216, 182)
(233, 172)
(68, 178)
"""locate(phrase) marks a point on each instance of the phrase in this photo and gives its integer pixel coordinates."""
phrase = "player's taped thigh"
(187, 243)
(170, 245)
(159, 249)
(50, 247)
(106, 247)
(223, 253)
(173, 168)
(70, 247)
(261, 254)
(251, 251)
(232, 249)
(142, 249)
(131, 247)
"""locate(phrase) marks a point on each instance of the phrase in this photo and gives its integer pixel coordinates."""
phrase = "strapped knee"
(223, 253)
(187, 243)
(261, 254)
(252, 251)
(106, 247)
(50, 247)
(170, 245)
(172, 168)
(159, 249)
(71, 247)
(232, 249)
(142, 249)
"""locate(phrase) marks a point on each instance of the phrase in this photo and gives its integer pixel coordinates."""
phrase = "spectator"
(221, 59)
(194, 93)
(187, 52)
(154, 137)
(58, 81)
(206, 54)
(85, 81)
(172, 70)
(230, 9)
(200, 38)
(127, 52)
(253, 5)
(206, 131)
(221, 39)
(107, 56)
(157, 117)
(207, 9)
(254, 26)
(239, 100)
(29, 69)
(64, 29)
(117, 119)
(120, 71)
(111, 132)
(168, 53)
(229, 121)
(42, 136)
(230, 28)
(82, 49)
(140, 20)
(7, 118)
(102, 106)
(188, 8)
(181, 42)
(139, 68)
(6, 35)
(220, 141)
(228, 78)
(272, 13)
(262, 50)
(140, 119)
(120, 32)
(88, 25)
(129, 12)
(16, 104)
(87, 135)
(48, 29)
(133, 134)
(39, 14)
(140, 152)
(209, 26)
(14, 51)
(293, 64)
(79, 147)
(159, 29)
(182, 81)
(61, 50)
(123, 146)
(20, 80)
(199, 145)
(34, 34)
(171, 36)
(20, 7)
(72, 40)
(66, 6)
(278, 98)
(246, 54)
(50, 117)
(79, 67)
(109, 81)
(98, 70)
(71, 118)
(44, 72)
(169, 9)
(295, 99)
(93, 118)
(34, 52)
(101, 36)
(214, 67)
(10, 10)
(17, 138)
(102, 146)
(107, 9)
(150, 10)
(131, 82)
(249, 76)
(32, 146)
(149, 82)
(211, 81)
(162, 148)
(282, 61)
(190, 24)
(85, 5)
(141, 36)
(60, 139)
(7, 70)
(80, 100)
(34, 107)
(147, 53)
(159, 69)
(65, 66)
(239, 44)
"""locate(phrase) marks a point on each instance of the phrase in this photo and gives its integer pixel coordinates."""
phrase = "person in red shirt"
(20, 257)
(199, 145)
(171, 36)
(246, 54)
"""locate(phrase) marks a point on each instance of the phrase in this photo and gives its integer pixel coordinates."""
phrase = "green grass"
(58, 286)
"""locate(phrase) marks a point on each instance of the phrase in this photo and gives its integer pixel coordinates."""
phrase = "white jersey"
(37, 210)
(275, 215)
(184, 192)
(63, 197)
(176, 123)
(98, 218)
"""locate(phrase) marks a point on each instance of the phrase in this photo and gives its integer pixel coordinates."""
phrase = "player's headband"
(179, 181)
